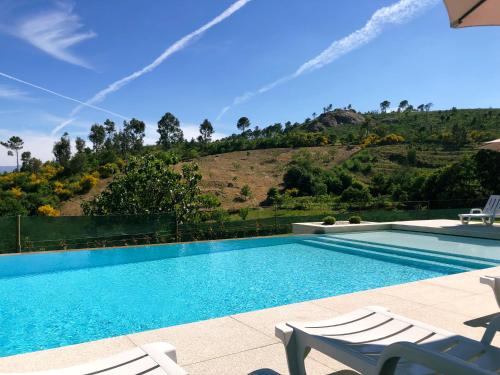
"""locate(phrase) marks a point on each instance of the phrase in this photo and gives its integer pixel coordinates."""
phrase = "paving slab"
(201, 341)
(265, 320)
(65, 356)
(268, 360)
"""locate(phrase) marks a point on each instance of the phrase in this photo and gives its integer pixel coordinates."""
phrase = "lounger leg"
(296, 350)
(295, 356)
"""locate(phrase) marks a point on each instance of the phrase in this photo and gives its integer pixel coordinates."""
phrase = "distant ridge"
(6, 168)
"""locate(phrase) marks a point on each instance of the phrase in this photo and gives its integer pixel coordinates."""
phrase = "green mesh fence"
(7, 234)
(79, 232)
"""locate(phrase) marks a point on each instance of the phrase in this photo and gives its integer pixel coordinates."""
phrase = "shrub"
(108, 170)
(246, 192)
(273, 196)
(16, 192)
(47, 210)
(62, 192)
(355, 220)
(354, 195)
(329, 220)
(243, 212)
(86, 183)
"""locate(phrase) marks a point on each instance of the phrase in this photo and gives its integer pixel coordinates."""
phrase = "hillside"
(225, 174)
(401, 150)
(72, 207)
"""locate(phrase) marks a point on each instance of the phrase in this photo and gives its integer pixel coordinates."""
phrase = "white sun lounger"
(494, 282)
(373, 340)
(487, 215)
(151, 359)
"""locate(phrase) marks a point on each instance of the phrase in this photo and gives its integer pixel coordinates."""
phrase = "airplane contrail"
(8, 76)
(176, 47)
(397, 13)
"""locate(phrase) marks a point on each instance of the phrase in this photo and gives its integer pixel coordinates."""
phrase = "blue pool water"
(56, 299)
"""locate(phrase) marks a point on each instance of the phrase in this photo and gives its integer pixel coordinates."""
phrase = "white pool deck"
(245, 343)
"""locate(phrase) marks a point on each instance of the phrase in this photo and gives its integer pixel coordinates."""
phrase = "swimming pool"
(56, 299)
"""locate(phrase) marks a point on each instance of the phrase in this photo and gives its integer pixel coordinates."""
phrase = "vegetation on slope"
(411, 154)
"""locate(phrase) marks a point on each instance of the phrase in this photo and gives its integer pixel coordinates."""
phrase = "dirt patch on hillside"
(72, 207)
(224, 175)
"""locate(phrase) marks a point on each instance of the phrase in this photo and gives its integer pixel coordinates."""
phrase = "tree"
(487, 163)
(29, 164)
(403, 105)
(14, 145)
(97, 136)
(62, 150)
(110, 129)
(384, 106)
(168, 191)
(243, 124)
(206, 131)
(131, 138)
(80, 145)
(170, 131)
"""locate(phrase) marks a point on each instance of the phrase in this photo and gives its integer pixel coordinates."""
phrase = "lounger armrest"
(491, 331)
(476, 211)
(441, 363)
(488, 280)
(283, 332)
(165, 355)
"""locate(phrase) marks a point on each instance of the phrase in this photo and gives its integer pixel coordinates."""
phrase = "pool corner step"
(395, 258)
(447, 258)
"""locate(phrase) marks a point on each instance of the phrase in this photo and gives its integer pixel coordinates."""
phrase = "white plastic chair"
(487, 215)
(373, 340)
(151, 359)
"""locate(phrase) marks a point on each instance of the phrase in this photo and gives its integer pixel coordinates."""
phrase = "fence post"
(18, 233)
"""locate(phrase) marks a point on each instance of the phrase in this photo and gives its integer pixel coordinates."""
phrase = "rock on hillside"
(336, 118)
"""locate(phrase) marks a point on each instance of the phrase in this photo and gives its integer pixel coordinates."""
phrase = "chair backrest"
(493, 205)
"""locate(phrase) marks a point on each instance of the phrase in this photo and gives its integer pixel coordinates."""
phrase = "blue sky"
(78, 48)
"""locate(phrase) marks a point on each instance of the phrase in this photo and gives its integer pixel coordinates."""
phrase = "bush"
(108, 170)
(86, 183)
(356, 195)
(329, 220)
(355, 220)
(245, 192)
(243, 212)
(47, 210)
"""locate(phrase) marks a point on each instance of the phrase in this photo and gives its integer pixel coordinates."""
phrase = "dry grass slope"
(224, 175)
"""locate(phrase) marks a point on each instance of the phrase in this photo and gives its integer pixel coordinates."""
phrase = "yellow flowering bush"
(371, 139)
(49, 171)
(16, 192)
(48, 210)
(86, 183)
(61, 191)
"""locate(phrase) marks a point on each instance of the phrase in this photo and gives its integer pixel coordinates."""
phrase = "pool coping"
(447, 227)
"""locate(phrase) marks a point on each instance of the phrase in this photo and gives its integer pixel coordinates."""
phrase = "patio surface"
(245, 343)
(440, 226)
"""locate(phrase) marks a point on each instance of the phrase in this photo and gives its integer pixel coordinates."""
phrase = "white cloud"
(39, 144)
(54, 31)
(7, 92)
(174, 48)
(397, 13)
(190, 131)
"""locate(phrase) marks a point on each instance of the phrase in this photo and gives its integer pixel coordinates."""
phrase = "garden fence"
(37, 233)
